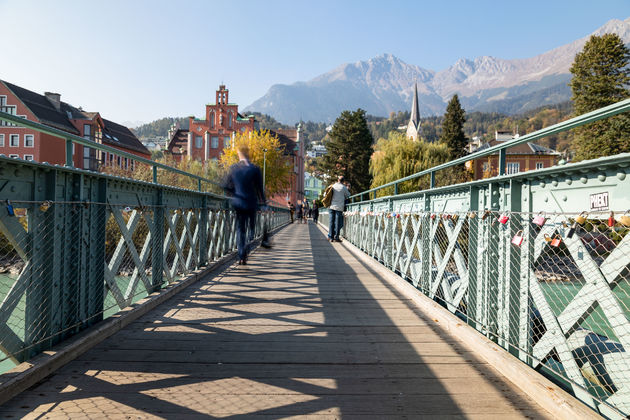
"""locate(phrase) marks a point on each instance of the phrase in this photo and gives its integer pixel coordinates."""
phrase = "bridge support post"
(157, 241)
(474, 256)
(495, 263)
(426, 246)
(203, 232)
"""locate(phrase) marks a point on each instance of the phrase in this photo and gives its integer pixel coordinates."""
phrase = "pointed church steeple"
(413, 128)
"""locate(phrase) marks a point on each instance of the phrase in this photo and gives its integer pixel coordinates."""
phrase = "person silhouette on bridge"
(244, 184)
(336, 208)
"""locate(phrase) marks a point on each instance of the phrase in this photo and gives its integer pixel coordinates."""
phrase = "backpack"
(328, 196)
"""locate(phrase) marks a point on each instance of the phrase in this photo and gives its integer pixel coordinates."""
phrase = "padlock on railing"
(10, 210)
(518, 238)
(539, 219)
(433, 216)
(625, 219)
(611, 219)
(581, 218)
(472, 215)
(572, 230)
(45, 206)
(555, 241)
(503, 219)
(547, 238)
(485, 214)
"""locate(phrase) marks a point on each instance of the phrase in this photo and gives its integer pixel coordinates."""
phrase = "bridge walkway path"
(304, 329)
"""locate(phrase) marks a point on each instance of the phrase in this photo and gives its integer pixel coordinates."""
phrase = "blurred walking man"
(244, 184)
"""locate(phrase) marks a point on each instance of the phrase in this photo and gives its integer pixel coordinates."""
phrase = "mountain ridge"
(384, 84)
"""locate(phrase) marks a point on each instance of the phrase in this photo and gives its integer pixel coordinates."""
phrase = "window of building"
(540, 165)
(118, 161)
(513, 168)
(211, 119)
(126, 163)
(198, 142)
(14, 140)
(3, 100)
(87, 131)
(226, 142)
(230, 119)
(14, 156)
(214, 142)
(28, 157)
(29, 140)
(111, 159)
(1, 140)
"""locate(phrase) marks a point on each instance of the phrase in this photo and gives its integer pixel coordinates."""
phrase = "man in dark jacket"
(244, 184)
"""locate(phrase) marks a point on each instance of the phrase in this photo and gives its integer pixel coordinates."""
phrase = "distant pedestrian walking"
(299, 211)
(335, 210)
(315, 211)
(244, 184)
(291, 210)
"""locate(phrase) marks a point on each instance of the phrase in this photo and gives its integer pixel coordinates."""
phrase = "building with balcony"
(48, 109)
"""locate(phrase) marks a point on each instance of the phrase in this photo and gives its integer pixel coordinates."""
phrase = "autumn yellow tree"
(275, 160)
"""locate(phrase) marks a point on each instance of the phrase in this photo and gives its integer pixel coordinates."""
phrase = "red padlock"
(503, 219)
(539, 219)
(433, 216)
(555, 241)
(611, 219)
(518, 238)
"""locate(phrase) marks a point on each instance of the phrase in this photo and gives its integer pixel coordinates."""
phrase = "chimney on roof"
(55, 99)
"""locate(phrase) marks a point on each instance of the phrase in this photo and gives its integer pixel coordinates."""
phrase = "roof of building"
(119, 135)
(521, 149)
(288, 138)
(46, 112)
(41, 107)
(178, 143)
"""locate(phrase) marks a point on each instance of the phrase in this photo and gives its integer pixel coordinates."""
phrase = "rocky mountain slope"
(385, 83)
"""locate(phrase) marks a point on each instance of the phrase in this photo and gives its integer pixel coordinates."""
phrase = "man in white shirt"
(335, 210)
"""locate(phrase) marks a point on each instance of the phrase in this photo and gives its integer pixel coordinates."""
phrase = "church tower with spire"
(413, 128)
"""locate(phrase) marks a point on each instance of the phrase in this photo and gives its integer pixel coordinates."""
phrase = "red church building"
(206, 138)
(48, 109)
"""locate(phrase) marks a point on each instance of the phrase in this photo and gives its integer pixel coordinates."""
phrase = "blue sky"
(139, 60)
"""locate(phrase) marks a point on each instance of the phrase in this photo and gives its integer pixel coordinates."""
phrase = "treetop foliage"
(453, 129)
(349, 150)
(601, 76)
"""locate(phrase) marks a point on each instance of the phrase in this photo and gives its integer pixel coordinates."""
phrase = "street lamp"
(264, 166)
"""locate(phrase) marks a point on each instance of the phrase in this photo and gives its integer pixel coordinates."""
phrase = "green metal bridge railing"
(77, 246)
(537, 261)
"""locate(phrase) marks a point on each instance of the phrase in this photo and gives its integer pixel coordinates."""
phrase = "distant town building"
(206, 138)
(521, 158)
(312, 187)
(316, 151)
(413, 127)
(48, 109)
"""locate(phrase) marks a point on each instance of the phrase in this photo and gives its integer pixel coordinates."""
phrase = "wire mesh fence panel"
(552, 288)
(67, 265)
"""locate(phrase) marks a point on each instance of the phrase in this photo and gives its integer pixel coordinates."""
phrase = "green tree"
(601, 75)
(453, 129)
(349, 150)
(399, 156)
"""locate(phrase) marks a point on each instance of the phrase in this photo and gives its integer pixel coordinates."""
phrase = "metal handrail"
(72, 138)
(598, 114)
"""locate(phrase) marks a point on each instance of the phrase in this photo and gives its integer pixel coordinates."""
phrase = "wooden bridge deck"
(305, 329)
